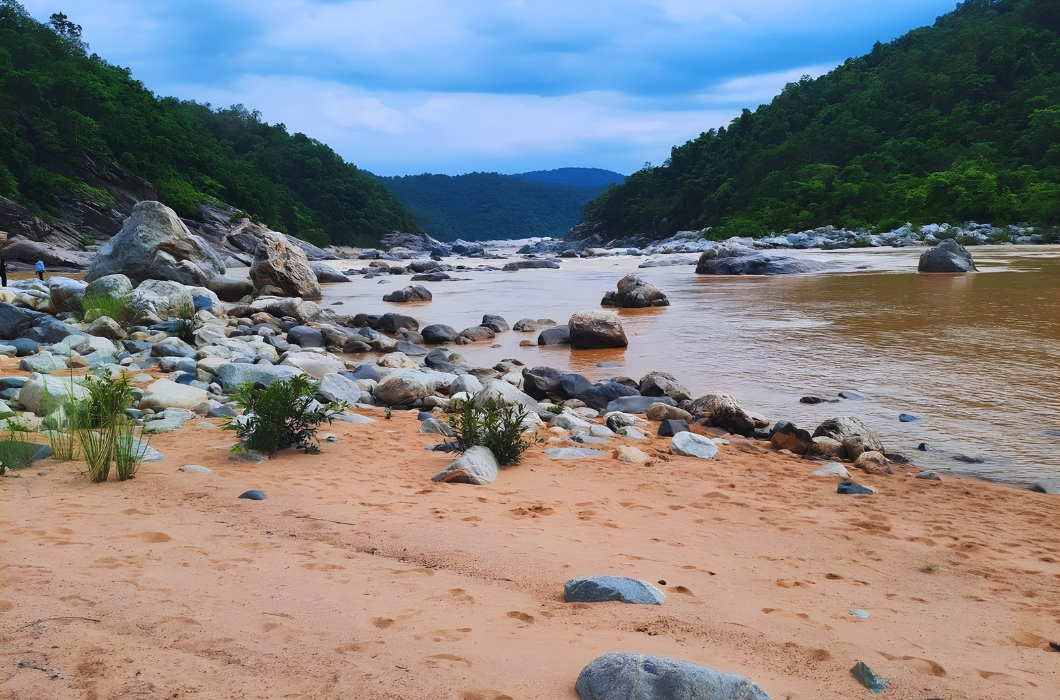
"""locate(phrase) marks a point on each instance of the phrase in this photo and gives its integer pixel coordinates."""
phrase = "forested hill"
(77, 132)
(486, 206)
(955, 122)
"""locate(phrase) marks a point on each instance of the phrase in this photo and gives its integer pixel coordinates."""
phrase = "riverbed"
(976, 358)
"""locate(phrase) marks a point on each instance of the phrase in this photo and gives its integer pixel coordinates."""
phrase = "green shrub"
(129, 451)
(556, 409)
(122, 308)
(497, 426)
(98, 419)
(281, 415)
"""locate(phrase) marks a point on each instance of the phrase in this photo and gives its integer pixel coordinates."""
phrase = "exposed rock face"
(590, 330)
(634, 293)
(279, 264)
(28, 251)
(155, 244)
(724, 412)
(625, 676)
(949, 256)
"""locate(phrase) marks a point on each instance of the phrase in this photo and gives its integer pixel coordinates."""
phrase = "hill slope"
(577, 177)
(485, 206)
(954, 122)
(80, 140)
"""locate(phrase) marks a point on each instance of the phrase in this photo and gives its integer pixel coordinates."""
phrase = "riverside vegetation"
(953, 122)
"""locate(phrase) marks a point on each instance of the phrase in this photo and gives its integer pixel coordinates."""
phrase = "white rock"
(316, 366)
(476, 466)
(688, 444)
(166, 394)
(503, 392)
(833, 469)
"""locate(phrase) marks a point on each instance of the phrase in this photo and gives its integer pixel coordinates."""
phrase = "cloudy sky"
(451, 86)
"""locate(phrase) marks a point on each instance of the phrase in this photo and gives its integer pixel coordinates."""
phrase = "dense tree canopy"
(955, 122)
(488, 206)
(61, 109)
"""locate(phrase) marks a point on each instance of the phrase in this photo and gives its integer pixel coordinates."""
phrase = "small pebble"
(859, 613)
(42, 473)
(662, 583)
(253, 495)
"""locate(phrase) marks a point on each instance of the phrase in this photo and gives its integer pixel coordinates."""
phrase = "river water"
(975, 357)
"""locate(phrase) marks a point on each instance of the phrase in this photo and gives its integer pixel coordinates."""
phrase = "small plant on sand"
(129, 451)
(497, 426)
(16, 451)
(929, 569)
(98, 419)
(283, 414)
(388, 413)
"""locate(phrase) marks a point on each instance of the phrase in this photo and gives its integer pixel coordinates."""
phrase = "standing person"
(40, 270)
(3, 272)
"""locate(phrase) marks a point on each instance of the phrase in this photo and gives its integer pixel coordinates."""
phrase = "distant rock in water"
(408, 294)
(596, 329)
(757, 264)
(634, 293)
(949, 256)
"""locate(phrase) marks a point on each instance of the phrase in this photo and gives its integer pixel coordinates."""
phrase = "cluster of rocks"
(407, 246)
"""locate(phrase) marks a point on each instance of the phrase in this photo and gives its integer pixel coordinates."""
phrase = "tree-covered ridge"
(487, 206)
(63, 111)
(955, 122)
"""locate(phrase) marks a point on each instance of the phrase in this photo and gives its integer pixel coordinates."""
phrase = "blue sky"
(451, 86)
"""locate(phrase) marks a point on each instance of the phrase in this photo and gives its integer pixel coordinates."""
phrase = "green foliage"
(554, 409)
(281, 415)
(497, 426)
(129, 451)
(185, 324)
(121, 309)
(948, 123)
(98, 420)
(61, 106)
(483, 206)
(16, 450)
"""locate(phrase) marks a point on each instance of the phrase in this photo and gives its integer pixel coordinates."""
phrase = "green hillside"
(955, 122)
(64, 112)
(485, 206)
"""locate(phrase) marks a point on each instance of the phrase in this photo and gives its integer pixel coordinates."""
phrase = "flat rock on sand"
(623, 676)
(599, 589)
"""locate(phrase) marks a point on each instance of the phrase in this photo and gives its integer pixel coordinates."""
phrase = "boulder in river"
(592, 330)
(627, 676)
(663, 384)
(155, 244)
(414, 292)
(438, 334)
(757, 264)
(283, 266)
(557, 335)
(530, 265)
(326, 274)
(541, 382)
(634, 293)
(724, 412)
(949, 256)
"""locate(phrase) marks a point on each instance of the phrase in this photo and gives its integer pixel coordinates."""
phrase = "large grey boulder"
(166, 394)
(557, 335)
(236, 373)
(29, 251)
(846, 429)
(162, 298)
(625, 676)
(637, 404)
(327, 274)
(634, 293)
(477, 466)
(438, 334)
(504, 393)
(592, 330)
(155, 244)
(404, 387)
(65, 293)
(316, 365)
(283, 266)
(663, 384)
(599, 589)
(338, 387)
(949, 256)
(414, 292)
(755, 265)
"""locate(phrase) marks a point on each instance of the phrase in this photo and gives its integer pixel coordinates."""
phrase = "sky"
(403, 87)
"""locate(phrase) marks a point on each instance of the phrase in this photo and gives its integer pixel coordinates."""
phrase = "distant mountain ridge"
(488, 206)
(576, 177)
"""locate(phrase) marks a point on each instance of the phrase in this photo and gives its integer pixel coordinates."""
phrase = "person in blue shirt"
(40, 269)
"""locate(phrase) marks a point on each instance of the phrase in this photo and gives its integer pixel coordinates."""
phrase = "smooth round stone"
(253, 495)
(599, 589)
(859, 614)
(907, 417)
(198, 469)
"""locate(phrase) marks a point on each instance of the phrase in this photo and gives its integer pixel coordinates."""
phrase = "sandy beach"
(359, 578)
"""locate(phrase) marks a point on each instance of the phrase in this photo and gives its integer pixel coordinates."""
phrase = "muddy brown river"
(975, 357)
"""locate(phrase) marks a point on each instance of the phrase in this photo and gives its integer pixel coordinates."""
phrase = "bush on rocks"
(495, 425)
(283, 414)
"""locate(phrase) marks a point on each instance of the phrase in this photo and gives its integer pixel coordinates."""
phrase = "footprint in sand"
(450, 635)
(533, 511)
(446, 657)
(156, 537)
(382, 622)
(516, 615)
(925, 666)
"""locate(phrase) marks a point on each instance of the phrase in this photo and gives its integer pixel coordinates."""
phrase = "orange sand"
(359, 578)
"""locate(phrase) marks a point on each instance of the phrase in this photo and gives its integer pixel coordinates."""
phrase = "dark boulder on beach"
(541, 382)
(786, 436)
(438, 334)
(601, 395)
(626, 676)
(391, 322)
(530, 265)
(949, 256)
